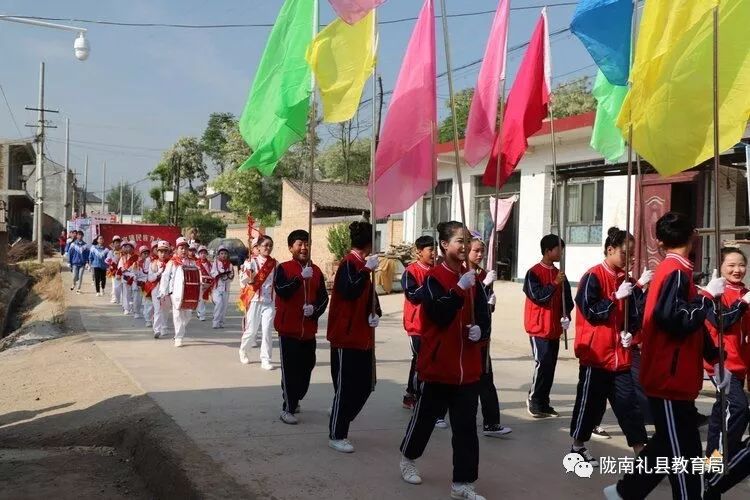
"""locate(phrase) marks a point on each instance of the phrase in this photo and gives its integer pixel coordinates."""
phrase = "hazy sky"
(142, 88)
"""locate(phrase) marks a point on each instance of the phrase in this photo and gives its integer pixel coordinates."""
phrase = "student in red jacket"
(412, 282)
(674, 343)
(736, 328)
(602, 346)
(545, 320)
(449, 365)
(301, 298)
(351, 332)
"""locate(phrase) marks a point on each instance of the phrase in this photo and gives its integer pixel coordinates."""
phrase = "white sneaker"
(329, 411)
(113, 301)
(254, 344)
(178, 342)
(157, 335)
(148, 323)
(78, 292)
(288, 418)
(441, 424)
(201, 319)
(137, 316)
(409, 471)
(610, 492)
(243, 358)
(341, 445)
(464, 491)
(266, 365)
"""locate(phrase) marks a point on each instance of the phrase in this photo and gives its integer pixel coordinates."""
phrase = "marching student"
(258, 273)
(602, 346)
(143, 283)
(98, 262)
(412, 282)
(301, 298)
(674, 342)
(127, 267)
(351, 333)
(161, 303)
(204, 266)
(223, 273)
(544, 321)
(113, 272)
(180, 317)
(141, 275)
(487, 391)
(449, 365)
(78, 258)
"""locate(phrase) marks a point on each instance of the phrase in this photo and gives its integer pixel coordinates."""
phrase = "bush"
(339, 241)
(208, 226)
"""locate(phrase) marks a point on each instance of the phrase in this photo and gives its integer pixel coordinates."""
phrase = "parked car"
(238, 252)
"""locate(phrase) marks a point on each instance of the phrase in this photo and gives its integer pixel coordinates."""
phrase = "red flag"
(527, 106)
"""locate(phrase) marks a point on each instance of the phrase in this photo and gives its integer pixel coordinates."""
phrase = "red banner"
(142, 234)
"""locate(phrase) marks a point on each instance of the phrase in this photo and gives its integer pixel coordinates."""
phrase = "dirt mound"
(26, 250)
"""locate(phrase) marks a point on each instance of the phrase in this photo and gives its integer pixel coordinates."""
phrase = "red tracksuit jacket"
(351, 305)
(736, 325)
(290, 320)
(447, 355)
(543, 308)
(674, 337)
(600, 319)
(412, 281)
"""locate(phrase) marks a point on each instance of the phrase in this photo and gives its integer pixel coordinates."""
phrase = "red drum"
(187, 286)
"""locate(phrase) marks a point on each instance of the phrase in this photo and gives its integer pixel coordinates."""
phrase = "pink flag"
(405, 158)
(480, 130)
(352, 11)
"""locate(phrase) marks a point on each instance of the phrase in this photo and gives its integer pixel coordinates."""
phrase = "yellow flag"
(670, 104)
(342, 57)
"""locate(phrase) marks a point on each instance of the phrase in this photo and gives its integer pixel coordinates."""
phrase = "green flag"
(607, 138)
(275, 116)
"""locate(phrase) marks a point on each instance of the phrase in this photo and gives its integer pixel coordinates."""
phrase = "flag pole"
(311, 144)
(717, 231)
(495, 240)
(373, 150)
(457, 157)
(556, 208)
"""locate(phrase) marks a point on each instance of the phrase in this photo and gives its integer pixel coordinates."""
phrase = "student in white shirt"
(258, 272)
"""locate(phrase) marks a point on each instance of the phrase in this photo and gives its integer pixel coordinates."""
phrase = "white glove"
(716, 287)
(626, 338)
(373, 320)
(372, 262)
(722, 383)
(307, 310)
(493, 300)
(715, 274)
(565, 322)
(490, 278)
(646, 277)
(307, 272)
(746, 298)
(467, 280)
(625, 290)
(475, 333)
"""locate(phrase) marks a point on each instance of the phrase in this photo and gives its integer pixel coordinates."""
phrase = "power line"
(10, 110)
(259, 25)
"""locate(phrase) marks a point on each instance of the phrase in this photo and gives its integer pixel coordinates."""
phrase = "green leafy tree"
(113, 199)
(573, 98)
(215, 137)
(339, 240)
(463, 104)
(208, 226)
(349, 164)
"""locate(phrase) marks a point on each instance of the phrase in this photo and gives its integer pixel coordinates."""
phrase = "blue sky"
(142, 88)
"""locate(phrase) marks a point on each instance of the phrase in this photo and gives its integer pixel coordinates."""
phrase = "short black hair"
(360, 233)
(297, 234)
(550, 242)
(674, 230)
(424, 242)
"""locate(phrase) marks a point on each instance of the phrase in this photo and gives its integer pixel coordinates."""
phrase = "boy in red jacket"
(301, 298)
(351, 332)
(545, 320)
(412, 281)
(674, 344)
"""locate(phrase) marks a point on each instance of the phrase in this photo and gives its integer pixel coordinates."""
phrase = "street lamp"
(81, 47)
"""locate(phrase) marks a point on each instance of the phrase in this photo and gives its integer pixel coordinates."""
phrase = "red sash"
(132, 260)
(150, 286)
(247, 293)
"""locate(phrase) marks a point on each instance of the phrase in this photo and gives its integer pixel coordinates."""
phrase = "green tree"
(339, 241)
(348, 164)
(113, 199)
(215, 137)
(573, 98)
(209, 226)
(463, 104)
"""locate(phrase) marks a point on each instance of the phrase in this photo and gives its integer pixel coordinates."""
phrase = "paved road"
(231, 411)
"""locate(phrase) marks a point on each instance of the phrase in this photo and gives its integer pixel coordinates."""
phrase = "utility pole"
(132, 200)
(73, 203)
(119, 207)
(104, 185)
(85, 184)
(67, 166)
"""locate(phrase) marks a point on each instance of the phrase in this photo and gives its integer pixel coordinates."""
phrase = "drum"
(187, 285)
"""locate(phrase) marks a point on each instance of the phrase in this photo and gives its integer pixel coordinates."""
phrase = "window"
(443, 196)
(482, 213)
(584, 202)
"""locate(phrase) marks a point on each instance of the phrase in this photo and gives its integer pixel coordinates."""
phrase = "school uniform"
(542, 312)
(204, 266)
(139, 279)
(144, 307)
(223, 273)
(161, 302)
(112, 260)
(449, 368)
(604, 372)
(352, 342)
(127, 267)
(180, 317)
(674, 341)
(259, 315)
(412, 282)
(98, 262)
(296, 332)
(78, 257)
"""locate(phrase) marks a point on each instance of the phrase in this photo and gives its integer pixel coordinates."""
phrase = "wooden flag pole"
(495, 239)
(556, 208)
(373, 150)
(312, 122)
(457, 157)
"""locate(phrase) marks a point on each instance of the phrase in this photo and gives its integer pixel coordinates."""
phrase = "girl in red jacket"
(602, 346)
(449, 365)
(351, 332)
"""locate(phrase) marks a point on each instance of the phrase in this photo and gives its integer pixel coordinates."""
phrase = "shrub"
(339, 241)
